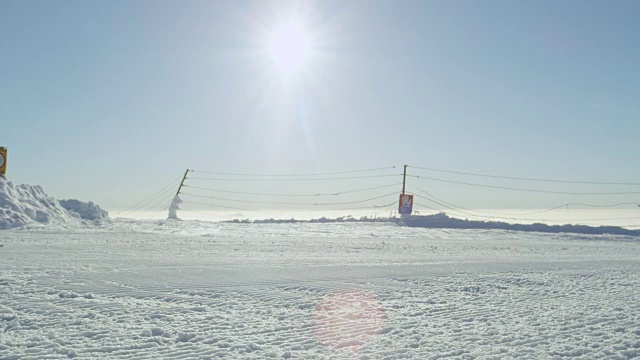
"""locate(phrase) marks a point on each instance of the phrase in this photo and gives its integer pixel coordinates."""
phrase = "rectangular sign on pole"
(3, 160)
(406, 204)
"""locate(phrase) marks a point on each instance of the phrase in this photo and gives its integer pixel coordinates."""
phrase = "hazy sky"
(110, 101)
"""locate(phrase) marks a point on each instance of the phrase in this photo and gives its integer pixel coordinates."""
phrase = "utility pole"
(175, 203)
(404, 179)
(182, 183)
(404, 215)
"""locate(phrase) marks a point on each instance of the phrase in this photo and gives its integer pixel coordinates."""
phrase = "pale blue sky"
(111, 100)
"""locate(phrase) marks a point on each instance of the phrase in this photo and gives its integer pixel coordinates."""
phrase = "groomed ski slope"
(184, 289)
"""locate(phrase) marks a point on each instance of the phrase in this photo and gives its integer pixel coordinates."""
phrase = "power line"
(448, 207)
(218, 206)
(164, 189)
(460, 207)
(245, 201)
(523, 219)
(157, 213)
(328, 176)
(371, 207)
(293, 195)
(295, 179)
(202, 213)
(425, 206)
(357, 202)
(534, 212)
(150, 199)
(294, 175)
(527, 190)
(527, 179)
(164, 199)
(288, 203)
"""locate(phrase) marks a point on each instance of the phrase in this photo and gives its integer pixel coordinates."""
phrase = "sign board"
(3, 160)
(406, 204)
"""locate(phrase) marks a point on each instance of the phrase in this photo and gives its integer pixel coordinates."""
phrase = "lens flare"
(348, 320)
(289, 46)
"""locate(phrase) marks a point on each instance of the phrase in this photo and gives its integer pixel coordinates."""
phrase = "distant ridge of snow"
(442, 221)
(22, 205)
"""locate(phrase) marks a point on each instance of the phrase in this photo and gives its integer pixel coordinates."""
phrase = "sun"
(289, 47)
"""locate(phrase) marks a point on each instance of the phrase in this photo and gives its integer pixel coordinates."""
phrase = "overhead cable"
(425, 206)
(294, 175)
(533, 212)
(527, 179)
(522, 219)
(202, 213)
(162, 192)
(527, 190)
(369, 207)
(448, 207)
(289, 203)
(218, 206)
(293, 195)
(296, 179)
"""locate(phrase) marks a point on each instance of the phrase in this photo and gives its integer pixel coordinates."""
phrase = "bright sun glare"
(289, 46)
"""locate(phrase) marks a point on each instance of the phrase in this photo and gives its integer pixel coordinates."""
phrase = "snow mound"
(85, 210)
(22, 205)
(175, 206)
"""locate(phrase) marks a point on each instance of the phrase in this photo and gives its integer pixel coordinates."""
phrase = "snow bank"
(85, 210)
(22, 205)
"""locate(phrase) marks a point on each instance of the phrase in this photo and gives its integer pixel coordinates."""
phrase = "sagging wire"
(294, 195)
(297, 179)
(527, 179)
(295, 175)
(523, 189)
(288, 203)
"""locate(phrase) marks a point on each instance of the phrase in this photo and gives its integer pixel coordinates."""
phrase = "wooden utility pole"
(404, 179)
(182, 183)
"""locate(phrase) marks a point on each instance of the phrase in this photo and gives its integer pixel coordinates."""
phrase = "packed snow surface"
(185, 289)
(28, 205)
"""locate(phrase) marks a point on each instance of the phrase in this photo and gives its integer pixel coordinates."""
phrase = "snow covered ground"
(186, 289)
